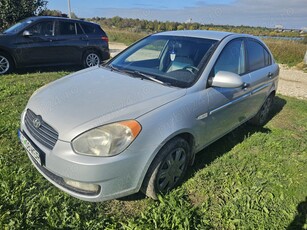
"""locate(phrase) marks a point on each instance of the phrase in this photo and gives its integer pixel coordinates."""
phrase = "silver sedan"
(136, 122)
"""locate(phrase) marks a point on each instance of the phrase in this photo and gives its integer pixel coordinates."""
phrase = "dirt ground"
(292, 82)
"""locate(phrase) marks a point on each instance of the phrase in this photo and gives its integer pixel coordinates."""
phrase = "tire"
(168, 168)
(261, 117)
(91, 58)
(6, 64)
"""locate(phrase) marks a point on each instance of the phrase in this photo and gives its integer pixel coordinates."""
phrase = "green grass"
(250, 179)
(123, 36)
(287, 52)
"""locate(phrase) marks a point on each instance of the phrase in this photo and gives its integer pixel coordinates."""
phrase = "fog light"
(82, 186)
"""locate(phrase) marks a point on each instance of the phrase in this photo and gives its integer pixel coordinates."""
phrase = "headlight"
(107, 140)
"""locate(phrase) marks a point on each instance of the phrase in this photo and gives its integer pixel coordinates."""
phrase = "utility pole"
(69, 9)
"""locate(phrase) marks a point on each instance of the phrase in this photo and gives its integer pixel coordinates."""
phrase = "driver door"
(228, 107)
(36, 48)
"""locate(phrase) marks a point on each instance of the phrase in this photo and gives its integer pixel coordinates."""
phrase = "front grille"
(41, 131)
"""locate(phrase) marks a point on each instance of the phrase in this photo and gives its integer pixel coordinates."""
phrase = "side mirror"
(26, 33)
(224, 79)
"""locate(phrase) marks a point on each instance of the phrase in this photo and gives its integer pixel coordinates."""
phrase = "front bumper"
(116, 176)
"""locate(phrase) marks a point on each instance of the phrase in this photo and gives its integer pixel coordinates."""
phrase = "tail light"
(106, 39)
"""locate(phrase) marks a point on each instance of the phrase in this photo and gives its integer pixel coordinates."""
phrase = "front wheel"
(262, 116)
(6, 64)
(91, 58)
(168, 168)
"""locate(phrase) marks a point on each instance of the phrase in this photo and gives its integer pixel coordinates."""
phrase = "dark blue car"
(50, 41)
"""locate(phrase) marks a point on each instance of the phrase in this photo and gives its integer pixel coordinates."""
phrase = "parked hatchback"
(47, 41)
(137, 122)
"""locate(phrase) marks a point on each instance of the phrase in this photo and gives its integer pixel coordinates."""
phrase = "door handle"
(270, 75)
(245, 86)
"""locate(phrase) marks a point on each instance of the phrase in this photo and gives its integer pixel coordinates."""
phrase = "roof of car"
(54, 17)
(216, 35)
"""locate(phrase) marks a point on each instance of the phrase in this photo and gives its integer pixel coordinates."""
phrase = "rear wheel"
(6, 63)
(168, 168)
(91, 58)
(262, 116)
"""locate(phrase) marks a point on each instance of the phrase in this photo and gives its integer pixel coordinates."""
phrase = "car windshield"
(18, 26)
(172, 60)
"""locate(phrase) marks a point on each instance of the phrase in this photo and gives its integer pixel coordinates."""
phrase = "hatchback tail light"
(106, 39)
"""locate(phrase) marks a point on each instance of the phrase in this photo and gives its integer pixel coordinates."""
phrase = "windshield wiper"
(112, 68)
(146, 76)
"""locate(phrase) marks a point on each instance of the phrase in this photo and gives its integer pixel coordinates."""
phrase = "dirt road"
(292, 82)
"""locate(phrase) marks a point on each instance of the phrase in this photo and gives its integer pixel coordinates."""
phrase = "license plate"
(30, 149)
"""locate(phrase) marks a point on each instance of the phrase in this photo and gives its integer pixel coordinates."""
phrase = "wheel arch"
(187, 136)
(89, 49)
(7, 52)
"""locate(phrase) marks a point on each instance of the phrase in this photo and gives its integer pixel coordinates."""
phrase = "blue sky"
(289, 13)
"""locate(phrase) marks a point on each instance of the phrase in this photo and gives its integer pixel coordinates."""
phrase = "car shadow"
(222, 146)
(301, 218)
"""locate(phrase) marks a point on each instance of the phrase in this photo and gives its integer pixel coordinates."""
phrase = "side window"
(90, 29)
(42, 29)
(232, 58)
(79, 29)
(267, 58)
(67, 28)
(256, 55)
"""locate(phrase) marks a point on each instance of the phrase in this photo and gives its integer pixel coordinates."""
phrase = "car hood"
(97, 96)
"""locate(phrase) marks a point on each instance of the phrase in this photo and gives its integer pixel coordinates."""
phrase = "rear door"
(262, 73)
(70, 41)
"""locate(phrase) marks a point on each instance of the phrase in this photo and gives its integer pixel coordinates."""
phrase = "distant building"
(280, 27)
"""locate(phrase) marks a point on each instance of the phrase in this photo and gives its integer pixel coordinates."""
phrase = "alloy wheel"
(4, 64)
(92, 60)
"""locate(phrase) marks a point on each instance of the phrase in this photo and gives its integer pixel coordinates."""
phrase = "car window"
(175, 60)
(89, 29)
(267, 58)
(257, 55)
(232, 58)
(79, 29)
(42, 29)
(67, 28)
(18, 26)
(148, 52)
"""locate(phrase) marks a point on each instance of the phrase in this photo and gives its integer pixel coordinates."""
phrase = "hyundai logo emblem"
(36, 122)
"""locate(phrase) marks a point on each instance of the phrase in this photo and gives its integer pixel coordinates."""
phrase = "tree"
(55, 13)
(12, 11)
